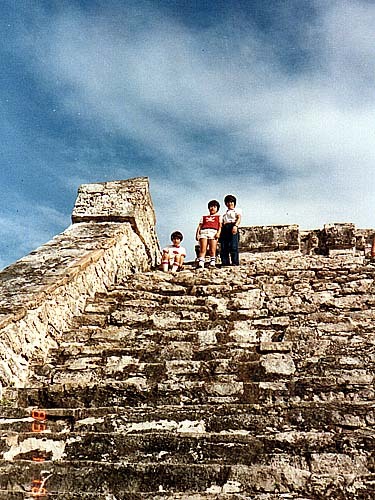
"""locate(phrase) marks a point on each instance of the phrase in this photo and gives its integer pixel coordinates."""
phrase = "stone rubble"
(254, 382)
(123, 382)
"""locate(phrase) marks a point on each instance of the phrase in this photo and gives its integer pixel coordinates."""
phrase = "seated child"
(208, 233)
(173, 255)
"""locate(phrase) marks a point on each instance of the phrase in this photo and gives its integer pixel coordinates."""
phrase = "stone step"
(118, 336)
(138, 391)
(143, 319)
(155, 283)
(261, 360)
(330, 388)
(121, 368)
(333, 284)
(129, 311)
(345, 354)
(182, 362)
(24, 422)
(228, 358)
(137, 298)
(281, 474)
(189, 448)
(165, 320)
(151, 345)
(245, 419)
(360, 374)
(298, 304)
(12, 495)
(335, 342)
(144, 350)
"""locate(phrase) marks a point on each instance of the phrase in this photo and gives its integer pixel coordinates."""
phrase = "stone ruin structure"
(123, 382)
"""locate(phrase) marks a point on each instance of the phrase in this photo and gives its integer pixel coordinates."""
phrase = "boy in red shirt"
(208, 234)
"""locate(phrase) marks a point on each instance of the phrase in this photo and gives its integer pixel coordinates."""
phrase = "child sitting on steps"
(173, 255)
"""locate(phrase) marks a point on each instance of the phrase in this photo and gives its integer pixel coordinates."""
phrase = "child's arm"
(236, 224)
(198, 231)
(219, 230)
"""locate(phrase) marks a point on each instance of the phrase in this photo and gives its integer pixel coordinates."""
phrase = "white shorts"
(207, 234)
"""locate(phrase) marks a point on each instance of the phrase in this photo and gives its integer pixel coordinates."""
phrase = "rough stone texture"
(333, 239)
(42, 292)
(269, 238)
(251, 382)
(120, 201)
(340, 236)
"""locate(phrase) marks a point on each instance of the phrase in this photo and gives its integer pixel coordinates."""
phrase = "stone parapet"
(339, 238)
(120, 201)
(334, 239)
(42, 292)
(269, 238)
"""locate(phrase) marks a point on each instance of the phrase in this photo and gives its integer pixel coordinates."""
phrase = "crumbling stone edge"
(41, 293)
(29, 331)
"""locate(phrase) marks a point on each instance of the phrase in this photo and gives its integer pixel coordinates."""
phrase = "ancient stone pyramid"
(123, 382)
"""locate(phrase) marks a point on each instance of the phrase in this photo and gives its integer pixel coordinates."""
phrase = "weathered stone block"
(339, 238)
(120, 201)
(269, 238)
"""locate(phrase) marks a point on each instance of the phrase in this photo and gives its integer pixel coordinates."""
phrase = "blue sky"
(271, 101)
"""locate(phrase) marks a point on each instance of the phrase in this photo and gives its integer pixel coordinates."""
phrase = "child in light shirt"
(229, 239)
(173, 255)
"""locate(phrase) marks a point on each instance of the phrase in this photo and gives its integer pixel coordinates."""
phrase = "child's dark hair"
(230, 197)
(177, 234)
(214, 203)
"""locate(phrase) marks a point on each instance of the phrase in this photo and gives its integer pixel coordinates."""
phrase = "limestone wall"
(40, 293)
(269, 238)
(331, 240)
(120, 201)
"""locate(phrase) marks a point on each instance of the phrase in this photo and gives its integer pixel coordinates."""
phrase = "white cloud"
(166, 87)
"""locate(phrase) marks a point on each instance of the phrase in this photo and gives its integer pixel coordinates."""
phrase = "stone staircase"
(254, 382)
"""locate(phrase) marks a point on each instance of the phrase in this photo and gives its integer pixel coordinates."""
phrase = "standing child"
(173, 255)
(229, 235)
(208, 233)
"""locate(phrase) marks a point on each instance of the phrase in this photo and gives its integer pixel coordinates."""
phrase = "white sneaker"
(212, 263)
(201, 264)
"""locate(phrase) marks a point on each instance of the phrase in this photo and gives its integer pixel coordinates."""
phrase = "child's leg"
(212, 251)
(224, 247)
(234, 250)
(202, 251)
(165, 262)
(212, 247)
(177, 263)
(202, 247)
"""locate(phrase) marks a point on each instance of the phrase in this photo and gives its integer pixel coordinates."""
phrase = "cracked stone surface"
(161, 389)
(123, 382)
